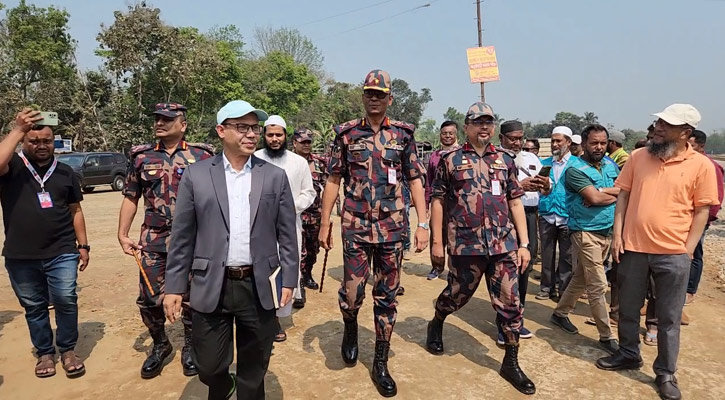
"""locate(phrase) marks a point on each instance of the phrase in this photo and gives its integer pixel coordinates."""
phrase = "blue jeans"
(40, 282)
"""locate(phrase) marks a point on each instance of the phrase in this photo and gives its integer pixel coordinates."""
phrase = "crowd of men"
(229, 241)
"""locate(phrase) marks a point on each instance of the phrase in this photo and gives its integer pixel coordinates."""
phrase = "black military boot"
(349, 342)
(187, 363)
(513, 374)
(154, 363)
(434, 341)
(309, 282)
(380, 374)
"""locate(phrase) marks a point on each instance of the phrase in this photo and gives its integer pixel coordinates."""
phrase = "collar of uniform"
(182, 145)
(490, 148)
(386, 122)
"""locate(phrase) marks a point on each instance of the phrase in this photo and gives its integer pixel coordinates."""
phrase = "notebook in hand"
(275, 283)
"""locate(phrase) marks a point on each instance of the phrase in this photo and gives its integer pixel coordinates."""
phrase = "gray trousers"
(670, 273)
(554, 273)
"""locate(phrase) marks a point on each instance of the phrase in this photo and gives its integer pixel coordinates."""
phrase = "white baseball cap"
(576, 139)
(680, 114)
(275, 120)
(563, 130)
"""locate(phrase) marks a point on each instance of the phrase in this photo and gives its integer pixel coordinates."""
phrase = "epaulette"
(400, 124)
(346, 126)
(204, 146)
(140, 149)
(446, 153)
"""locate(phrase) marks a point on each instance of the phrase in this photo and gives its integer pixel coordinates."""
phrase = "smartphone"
(545, 171)
(50, 118)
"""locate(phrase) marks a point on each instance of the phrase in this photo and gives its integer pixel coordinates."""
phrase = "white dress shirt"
(558, 167)
(239, 185)
(528, 165)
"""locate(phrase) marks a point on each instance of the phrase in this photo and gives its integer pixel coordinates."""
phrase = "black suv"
(95, 169)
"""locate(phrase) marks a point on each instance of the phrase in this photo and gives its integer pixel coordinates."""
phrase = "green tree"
(408, 105)
(428, 132)
(458, 117)
(290, 41)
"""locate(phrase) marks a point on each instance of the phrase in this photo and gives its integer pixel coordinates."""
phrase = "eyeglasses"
(380, 95)
(515, 139)
(244, 128)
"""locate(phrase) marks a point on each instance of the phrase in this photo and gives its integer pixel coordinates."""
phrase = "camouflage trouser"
(152, 309)
(386, 259)
(502, 275)
(310, 248)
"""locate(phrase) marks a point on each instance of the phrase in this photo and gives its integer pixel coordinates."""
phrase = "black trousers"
(213, 340)
(554, 274)
(532, 214)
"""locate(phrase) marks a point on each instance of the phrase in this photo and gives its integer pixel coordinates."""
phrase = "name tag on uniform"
(532, 167)
(357, 147)
(394, 147)
(496, 187)
(499, 166)
(392, 176)
(463, 167)
(45, 200)
(147, 167)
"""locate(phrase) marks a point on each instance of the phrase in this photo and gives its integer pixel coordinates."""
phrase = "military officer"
(478, 187)
(312, 215)
(154, 172)
(373, 155)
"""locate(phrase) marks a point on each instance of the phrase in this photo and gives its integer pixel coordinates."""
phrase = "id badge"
(496, 188)
(392, 176)
(45, 200)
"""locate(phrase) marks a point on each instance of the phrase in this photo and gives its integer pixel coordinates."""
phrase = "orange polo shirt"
(663, 197)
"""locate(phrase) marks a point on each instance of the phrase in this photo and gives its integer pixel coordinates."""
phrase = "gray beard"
(662, 150)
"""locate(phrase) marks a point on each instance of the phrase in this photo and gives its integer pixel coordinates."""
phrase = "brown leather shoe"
(685, 319)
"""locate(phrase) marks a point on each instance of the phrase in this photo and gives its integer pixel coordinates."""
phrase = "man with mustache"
(477, 186)
(43, 222)
(590, 195)
(666, 193)
(154, 173)
(373, 155)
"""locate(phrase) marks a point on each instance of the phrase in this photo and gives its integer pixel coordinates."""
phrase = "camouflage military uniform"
(373, 165)
(475, 191)
(312, 216)
(155, 175)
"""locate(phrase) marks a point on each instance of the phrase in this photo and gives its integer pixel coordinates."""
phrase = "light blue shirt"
(239, 185)
(558, 167)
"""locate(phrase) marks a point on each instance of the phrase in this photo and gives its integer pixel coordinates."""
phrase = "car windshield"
(73, 161)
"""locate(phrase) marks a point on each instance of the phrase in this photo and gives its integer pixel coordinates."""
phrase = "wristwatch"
(423, 225)
(84, 247)
(525, 246)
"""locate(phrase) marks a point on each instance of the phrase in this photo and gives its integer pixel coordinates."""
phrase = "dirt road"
(113, 341)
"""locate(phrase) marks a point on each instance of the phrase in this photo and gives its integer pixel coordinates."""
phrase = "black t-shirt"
(32, 232)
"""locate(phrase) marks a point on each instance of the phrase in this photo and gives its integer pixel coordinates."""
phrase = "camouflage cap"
(479, 109)
(377, 79)
(171, 110)
(303, 135)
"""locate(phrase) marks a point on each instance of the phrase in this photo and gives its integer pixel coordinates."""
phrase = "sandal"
(45, 367)
(72, 365)
(650, 339)
(281, 336)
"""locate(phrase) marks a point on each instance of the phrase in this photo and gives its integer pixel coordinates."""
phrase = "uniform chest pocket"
(462, 174)
(392, 156)
(358, 159)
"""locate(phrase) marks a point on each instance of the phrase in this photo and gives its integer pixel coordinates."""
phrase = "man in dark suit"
(234, 226)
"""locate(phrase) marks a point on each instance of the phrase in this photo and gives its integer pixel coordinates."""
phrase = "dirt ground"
(113, 340)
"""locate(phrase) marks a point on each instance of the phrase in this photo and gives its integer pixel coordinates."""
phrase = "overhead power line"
(382, 19)
(346, 12)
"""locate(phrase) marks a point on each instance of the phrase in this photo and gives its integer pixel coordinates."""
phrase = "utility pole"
(480, 40)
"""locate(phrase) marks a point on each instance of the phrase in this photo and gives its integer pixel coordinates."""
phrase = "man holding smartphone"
(45, 238)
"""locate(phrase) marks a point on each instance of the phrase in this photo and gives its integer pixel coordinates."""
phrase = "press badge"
(496, 188)
(45, 200)
(392, 176)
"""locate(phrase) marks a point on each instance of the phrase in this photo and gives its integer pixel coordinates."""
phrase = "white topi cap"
(560, 129)
(275, 120)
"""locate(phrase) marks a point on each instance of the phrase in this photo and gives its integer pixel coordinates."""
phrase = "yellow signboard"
(482, 64)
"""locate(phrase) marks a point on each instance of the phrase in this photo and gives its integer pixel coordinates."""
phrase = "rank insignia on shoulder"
(357, 147)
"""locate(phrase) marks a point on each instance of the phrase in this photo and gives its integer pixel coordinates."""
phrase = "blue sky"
(623, 60)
